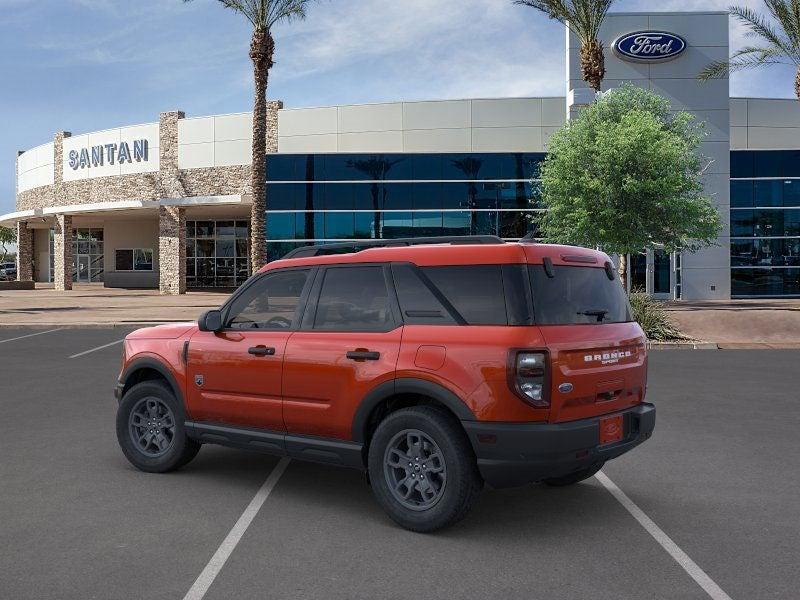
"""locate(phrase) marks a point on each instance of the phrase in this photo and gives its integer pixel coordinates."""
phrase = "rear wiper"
(599, 313)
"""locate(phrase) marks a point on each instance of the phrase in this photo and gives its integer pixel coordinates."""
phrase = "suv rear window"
(577, 295)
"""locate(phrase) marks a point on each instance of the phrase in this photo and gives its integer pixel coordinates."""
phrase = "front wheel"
(423, 469)
(150, 429)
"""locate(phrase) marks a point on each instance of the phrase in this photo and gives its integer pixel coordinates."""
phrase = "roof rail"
(530, 238)
(358, 246)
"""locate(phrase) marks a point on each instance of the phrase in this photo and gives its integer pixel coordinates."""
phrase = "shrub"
(653, 319)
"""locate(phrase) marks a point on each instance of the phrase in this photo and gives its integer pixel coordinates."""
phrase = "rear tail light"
(528, 377)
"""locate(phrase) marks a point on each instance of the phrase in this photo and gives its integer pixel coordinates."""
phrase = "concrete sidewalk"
(740, 323)
(94, 305)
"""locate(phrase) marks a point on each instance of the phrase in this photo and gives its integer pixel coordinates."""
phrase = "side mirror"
(210, 321)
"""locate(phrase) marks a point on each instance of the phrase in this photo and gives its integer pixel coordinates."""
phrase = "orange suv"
(435, 365)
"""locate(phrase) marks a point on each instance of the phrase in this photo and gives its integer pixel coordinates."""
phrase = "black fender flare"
(156, 365)
(406, 385)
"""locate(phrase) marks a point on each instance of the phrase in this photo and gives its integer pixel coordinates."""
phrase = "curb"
(682, 346)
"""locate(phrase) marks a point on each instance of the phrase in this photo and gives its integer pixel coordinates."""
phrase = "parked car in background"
(434, 367)
(8, 271)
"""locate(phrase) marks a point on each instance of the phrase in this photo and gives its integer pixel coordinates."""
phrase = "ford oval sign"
(649, 46)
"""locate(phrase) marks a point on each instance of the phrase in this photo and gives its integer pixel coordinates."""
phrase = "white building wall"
(706, 274)
(87, 141)
(481, 125)
(215, 141)
(35, 167)
(765, 124)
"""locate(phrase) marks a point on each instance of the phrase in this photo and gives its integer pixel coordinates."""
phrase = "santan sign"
(97, 156)
(649, 46)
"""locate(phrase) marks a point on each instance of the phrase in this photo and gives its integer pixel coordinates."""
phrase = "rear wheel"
(150, 428)
(575, 477)
(422, 469)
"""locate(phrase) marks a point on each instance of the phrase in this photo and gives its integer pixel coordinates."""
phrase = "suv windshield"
(576, 295)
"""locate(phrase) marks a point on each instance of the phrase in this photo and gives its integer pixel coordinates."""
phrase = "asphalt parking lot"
(719, 477)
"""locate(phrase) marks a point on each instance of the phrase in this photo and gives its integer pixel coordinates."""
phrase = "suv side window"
(476, 291)
(271, 302)
(418, 303)
(353, 299)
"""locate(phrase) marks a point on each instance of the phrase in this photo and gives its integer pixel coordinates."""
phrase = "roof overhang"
(11, 219)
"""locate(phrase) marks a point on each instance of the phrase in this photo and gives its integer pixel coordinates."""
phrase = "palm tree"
(377, 169)
(263, 15)
(584, 19)
(780, 42)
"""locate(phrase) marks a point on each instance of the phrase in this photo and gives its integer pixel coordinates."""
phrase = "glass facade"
(319, 198)
(217, 253)
(765, 223)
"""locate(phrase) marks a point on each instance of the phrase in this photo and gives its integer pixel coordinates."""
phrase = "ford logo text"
(649, 46)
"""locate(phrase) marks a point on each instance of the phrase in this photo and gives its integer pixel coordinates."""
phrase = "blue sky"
(84, 65)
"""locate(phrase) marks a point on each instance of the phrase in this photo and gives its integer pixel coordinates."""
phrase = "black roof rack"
(351, 247)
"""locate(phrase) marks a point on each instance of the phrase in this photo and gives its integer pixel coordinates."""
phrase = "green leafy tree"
(778, 40)
(263, 15)
(7, 237)
(625, 176)
(584, 19)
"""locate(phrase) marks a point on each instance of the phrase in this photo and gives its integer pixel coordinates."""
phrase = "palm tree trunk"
(262, 48)
(622, 269)
(593, 64)
(797, 84)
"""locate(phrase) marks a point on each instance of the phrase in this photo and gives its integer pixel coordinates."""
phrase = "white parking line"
(96, 349)
(22, 337)
(688, 565)
(214, 566)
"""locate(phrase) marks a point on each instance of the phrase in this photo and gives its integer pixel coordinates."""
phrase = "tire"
(575, 477)
(146, 404)
(453, 482)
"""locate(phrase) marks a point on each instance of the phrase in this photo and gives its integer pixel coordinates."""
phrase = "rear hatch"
(598, 359)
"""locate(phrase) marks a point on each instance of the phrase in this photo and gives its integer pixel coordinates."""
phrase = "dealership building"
(167, 204)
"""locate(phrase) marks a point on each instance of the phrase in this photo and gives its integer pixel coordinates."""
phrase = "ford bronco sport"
(435, 365)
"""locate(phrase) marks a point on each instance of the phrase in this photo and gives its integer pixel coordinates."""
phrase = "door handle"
(261, 351)
(363, 355)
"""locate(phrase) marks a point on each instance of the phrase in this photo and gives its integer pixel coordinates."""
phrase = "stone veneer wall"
(24, 252)
(62, 251)
(169, 182)
(171, 250)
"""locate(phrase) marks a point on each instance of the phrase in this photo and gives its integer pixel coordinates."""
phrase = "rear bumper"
(523, 453)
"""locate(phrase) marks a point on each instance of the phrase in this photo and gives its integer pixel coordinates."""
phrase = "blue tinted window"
(339, 225)
(426, 166)
(367, 196)
(427, 224)
(741, 194)
(457, 223)
(426, 195)
(280, 226)
(485, 223)
(790, 165)
(397, 196)
(484, 195)
(768, 193)
(742, 223)
(768, 163)
(398, 225)
(339, 196)
(791, 192)
(513, 224)
(281, 167)
(765, 282)
(309, 225)
(282, 196)
(791, 222)
(367, 225)
(742, 164)
(455, 195)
